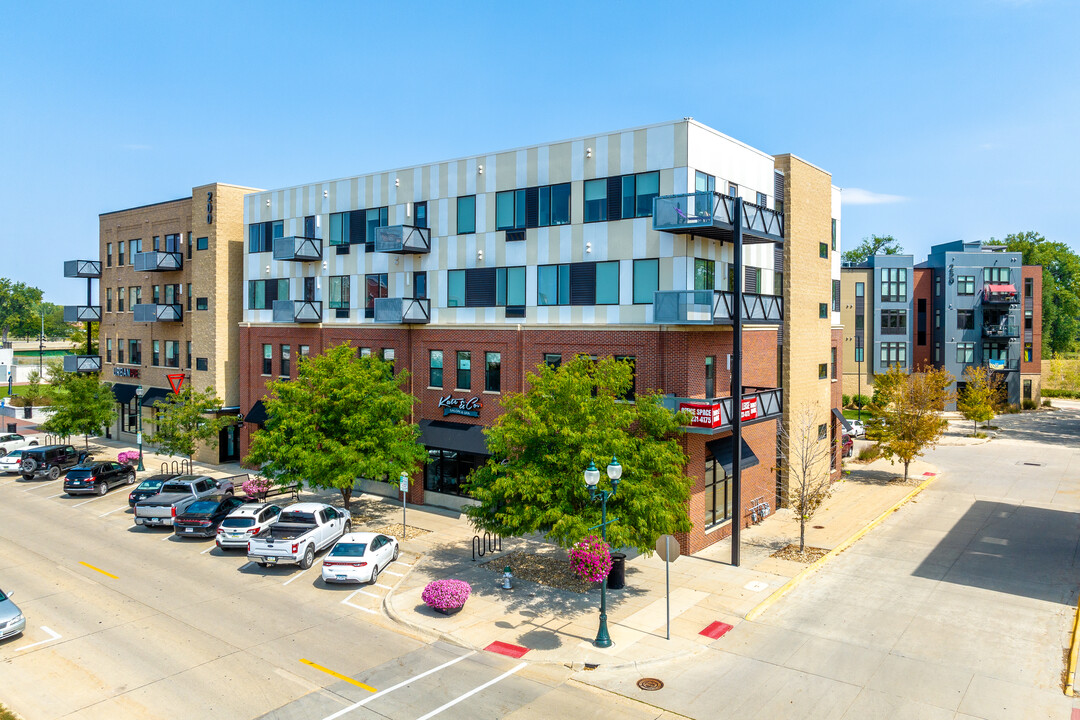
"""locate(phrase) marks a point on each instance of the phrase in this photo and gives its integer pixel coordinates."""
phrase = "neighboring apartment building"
(470, 273)
(967, 304)
(170, 291)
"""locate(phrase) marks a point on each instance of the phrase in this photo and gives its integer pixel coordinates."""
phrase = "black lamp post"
(139, 393)
(592, 478)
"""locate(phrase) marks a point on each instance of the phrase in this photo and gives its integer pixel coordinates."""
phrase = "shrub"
(256, 486)
(1029, 404)
(591, 559)
(1047, 403)
(845, 400)
(1060, 393)
(1011, 409)
(446, 594)
(871, 452)
(860, 401)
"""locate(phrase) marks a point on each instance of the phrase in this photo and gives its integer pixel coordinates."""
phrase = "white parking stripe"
(384, 587)
(89, 501)
(167, 537)
(125, 507)
(56, 495)
(208, 549)
(296, 576)
(401, 684)
(55, 636)
(358, 607)
(391, 572)
(472, 692)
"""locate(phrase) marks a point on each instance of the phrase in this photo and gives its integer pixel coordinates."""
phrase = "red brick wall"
(1035, 273)
(922, 289)
(836, 400)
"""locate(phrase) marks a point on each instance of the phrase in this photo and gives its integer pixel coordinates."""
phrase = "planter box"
(448, 611)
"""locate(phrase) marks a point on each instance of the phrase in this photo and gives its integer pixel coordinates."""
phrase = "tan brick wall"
(852, 369)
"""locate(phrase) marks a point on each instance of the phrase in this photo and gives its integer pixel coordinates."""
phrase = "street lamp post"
(592, 478)
(139, 393)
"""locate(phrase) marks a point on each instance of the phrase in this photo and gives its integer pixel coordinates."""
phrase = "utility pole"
(736, 380)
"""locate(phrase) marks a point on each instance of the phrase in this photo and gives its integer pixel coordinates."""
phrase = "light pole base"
(603, 640)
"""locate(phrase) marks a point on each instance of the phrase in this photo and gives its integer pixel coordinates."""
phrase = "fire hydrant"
(507, 577)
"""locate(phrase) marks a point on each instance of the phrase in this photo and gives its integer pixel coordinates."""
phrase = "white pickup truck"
(175, 496)
(302, 530)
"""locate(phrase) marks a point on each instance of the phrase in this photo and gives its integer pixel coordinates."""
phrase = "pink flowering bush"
(591, 559)
(446, 594)
(256, 486)
(127, 457)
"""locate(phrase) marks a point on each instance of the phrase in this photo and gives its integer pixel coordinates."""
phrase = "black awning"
(123, 392)
(843, 420)
(257, 414)
(721, 451)
(453, 436)
(152, 395)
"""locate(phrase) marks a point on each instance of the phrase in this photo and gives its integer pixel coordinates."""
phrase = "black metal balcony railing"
(82, 268)
(713, 415)
(301, 249)
(1001, 330)
(158, 313)
(158, 261)
(1001, 294)
(714, 307)
(82, 313)
(402, 239)
(713, 215)
(299, 311)
(402, 310)
(82, 363)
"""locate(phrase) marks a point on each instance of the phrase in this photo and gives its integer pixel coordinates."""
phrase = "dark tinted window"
(149, 485)
(206, 506)
(238, 522)
(348, 550)
(175, 488)
(300, 518)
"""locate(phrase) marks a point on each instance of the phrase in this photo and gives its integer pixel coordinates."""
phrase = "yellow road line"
(86, 564)
(790, 584)
(339, 676)
(1074, 648)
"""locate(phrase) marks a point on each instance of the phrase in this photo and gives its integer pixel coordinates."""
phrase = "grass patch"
(870, 453)
(980, 435)
(854, 414)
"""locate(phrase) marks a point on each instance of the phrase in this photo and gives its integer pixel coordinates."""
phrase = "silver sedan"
(12, 621)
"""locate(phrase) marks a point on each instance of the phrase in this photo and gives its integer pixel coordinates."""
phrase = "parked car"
(302, 530)
(49, 461)
(10, 463)
(12, 621)
(245, 522)
(176, 496)
(202, 517)
(359, 557)
(14, 441)
(97, 477)
(848, 446)
(149, 487)
(858, 428)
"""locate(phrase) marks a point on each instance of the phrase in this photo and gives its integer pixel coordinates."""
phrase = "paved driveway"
(958, 606)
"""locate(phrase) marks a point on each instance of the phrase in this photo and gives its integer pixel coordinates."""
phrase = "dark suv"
(98, 477)
(49, 461)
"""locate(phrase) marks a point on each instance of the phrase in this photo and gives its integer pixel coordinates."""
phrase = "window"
(189, 246)
(894, 322)
(596, 200)
(187, 352)
(965, 319)
(202, 243)
(937, 352)
(261, 235)
(120, 299)
(120, 254)
(388, 356)
(1027, 389)
(858, 354)
(832, 365)
(646, 280)
(823, 371)
(134, 296)
(420, 218)
(201, 364)
(108, 350)
(1029, 287)
(553, 360)
(108, 299)
(920, 328)
(120, 351)
(435, 364)
(763, 201)
(419, 280)
(717, 493)
(822, 431)
(997, 275)
(510, 210)
(447, 470)
(937, 319)
(284, 359)
(509, 287)
(704, 274)
(341, 226)
(632, 360)
(155, 244)
(1028, 321)
(172, 354)
(834, 233)
(704, 182)
(638, 192)
(894, 285)
(375, 286)
(493, 372)
(189, 295)
(108, 254)
(339, 292)
(464, 371)
(202, 303)
(578, 284)
(994, 351)
(268, 360)
(823, 310)
(364, 352)
(937, 285)
(455, 288)
(860, 289)
(155, 294)
(836, 296)
(486, 287)
(263, 293)
(893, 353)
(965, 285)
(965, 352)
(733, 190)
(823, 250)
(135, 352)
(466, 215)
(554, 205)
(374, 219)
(710, 376)
(1028, 351)
(134, 247)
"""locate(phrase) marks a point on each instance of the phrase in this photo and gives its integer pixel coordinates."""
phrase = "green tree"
(55, 327)
(1061, 287)
(20, 305)
(807, 462)
(34, 392)
(184, 421)
(978, 399)
(343, 418)
(907, 420)
(81, 404)
(546, 438)
(873, 245)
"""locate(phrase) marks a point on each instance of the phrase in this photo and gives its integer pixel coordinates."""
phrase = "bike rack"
(51, 439)
(490, 543)
(176, 467)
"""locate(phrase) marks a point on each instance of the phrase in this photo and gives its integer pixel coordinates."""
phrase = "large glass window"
(464, 370)
(894, 285)
(172, 353)
(717, 493)
(965, 319)
(455, 288)
(466, 214)
(135, 352)
(596, 200)
(375, 218)
(493, 372)
(607, 283)
(704, 183)
(646, 280)
(447, 470)
(510, 210)
(893, 354)
(704, 274)
(261, 235)
(638, 192)
(965, 284)
(375, 286)
(894, 322)
(553, 205)
(510, 286)
(997, 275)
(263, 293)
(339, 292)
(339, 228)
(965, 352)
(553, 285)
(435, 376)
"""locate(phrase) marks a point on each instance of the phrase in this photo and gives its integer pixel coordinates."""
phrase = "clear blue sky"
(959, 119)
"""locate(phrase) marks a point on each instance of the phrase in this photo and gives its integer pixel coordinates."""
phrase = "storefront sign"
(749, 408)
(126, 372)
(470, 407)
(707, 415)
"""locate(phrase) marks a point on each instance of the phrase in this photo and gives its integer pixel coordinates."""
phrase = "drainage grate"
(591, 666)
(1032, 464)
(650, 684)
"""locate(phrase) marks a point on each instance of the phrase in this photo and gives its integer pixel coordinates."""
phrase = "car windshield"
(175, 488)
(3, 597)
(205, 507)
(298, 518)
(349, 550)
(238, 522)
(14, 454)
(150, 485)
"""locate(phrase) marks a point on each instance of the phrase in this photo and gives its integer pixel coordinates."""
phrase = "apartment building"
(472, 272)
(967, 304)
(171, 275)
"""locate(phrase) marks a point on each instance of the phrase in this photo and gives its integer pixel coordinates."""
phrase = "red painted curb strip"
(716, 630)
(514, 651)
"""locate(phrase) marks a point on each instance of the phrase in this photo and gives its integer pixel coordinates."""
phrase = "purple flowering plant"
(591, 558)
(256, 486)
(446, 594)
(127, 457)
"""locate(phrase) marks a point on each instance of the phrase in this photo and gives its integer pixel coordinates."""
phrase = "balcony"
(1001, 330)
(399, 311)
(82, 363)
(1000, 294)
(712, 215)
(82, 268)
(82, 313)
(298, 311)
(402, 239)
(158, 261)
(1003, 364)
(713, 307)
(158, 313)
(300, 249)
(712, 416)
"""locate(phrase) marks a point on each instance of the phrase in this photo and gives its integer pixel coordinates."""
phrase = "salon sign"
(469, 407)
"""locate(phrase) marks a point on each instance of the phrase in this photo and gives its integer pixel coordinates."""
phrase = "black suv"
(97, 477)
(49, 461)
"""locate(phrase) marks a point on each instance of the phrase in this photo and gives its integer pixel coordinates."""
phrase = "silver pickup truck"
(302, 530)
(176, 495)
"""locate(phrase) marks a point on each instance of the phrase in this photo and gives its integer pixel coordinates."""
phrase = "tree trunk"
(346, 496)
(86, 439)
(976, 431)
(802, 533)
(906, 471)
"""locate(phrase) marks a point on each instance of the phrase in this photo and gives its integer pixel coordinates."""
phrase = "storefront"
(454, 451)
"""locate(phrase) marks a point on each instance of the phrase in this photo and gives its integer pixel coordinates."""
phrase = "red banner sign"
(707, 415)
(749, 408)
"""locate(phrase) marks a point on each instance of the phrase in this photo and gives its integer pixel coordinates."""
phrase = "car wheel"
(33, 443)
(263, 565)
(396, 550)
(348, 528)
(309, 558)
(131, 478)
(375, 574)
(102, 488)
(54, 472)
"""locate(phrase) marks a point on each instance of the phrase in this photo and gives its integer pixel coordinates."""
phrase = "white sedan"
(10, 463)
(14, 441)
(858, 428)
(359, 557)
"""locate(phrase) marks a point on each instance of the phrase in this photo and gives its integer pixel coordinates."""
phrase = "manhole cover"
(650, 684)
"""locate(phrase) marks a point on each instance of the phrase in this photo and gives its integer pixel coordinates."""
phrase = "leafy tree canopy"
(81, 404)
(873, 245)
(978, 399)
(907, 420)
(185, 420)
(20, 307)
(546, 438)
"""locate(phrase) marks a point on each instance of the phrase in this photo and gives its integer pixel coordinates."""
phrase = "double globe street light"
(592, 479)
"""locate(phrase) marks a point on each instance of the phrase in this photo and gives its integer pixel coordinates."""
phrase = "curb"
(790, 585)
(1074, 648)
